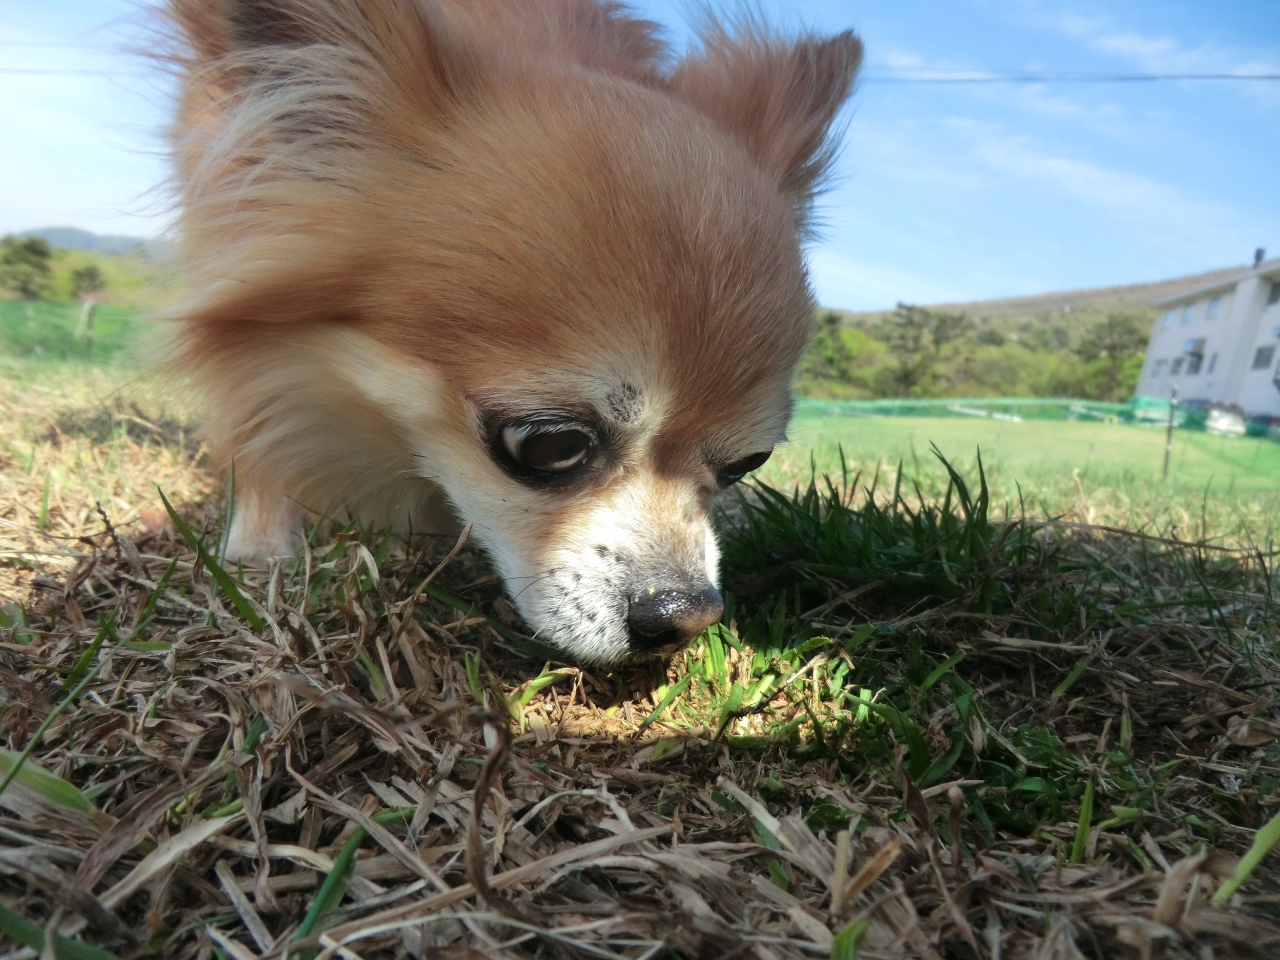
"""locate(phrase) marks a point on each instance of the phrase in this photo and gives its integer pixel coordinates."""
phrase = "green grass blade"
(731, 706)
(940, 671)
(253, 736)
(860, 637)
(471, 664)
(223, 579)
(331, 892)
(86, 659)
(668, 698)
(539, 683)
(716, 666)
(1085, 824)
(23, 931)
(1267, 838)
(1069, 681)
(1120, 816)
(375, 675)
(16, 767)
(54, 789)
(231, 513)
(150, 610)
(845, 945)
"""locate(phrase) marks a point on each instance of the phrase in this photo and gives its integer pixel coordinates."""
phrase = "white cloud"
(82, 131)
(855, 284)
(1160, 53)
(1155, 212)
(81, 150)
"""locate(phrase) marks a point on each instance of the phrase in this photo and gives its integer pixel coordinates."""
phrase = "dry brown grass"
(80, 442)
(491, 806)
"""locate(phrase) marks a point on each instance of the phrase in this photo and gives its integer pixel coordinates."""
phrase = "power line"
(927, 77)
(61, 44)
(1028, 77)
(67, 73)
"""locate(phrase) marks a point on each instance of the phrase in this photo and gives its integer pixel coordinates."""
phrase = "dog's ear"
(778, 98)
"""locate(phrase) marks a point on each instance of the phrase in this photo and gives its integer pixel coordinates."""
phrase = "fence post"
(1168, 436)
(84, 329)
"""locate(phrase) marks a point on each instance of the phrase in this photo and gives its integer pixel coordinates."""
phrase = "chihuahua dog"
(508, 262)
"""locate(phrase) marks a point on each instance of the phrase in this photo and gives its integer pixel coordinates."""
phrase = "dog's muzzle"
(661, 618)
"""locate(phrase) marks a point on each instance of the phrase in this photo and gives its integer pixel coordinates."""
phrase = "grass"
(76, 437)
(933, 723)
(50, 331)
(1223, 487)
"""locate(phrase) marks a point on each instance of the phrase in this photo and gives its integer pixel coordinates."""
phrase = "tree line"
(26, 269)
(920, 352)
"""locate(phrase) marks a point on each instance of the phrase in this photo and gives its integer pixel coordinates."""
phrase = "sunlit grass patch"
(81, 446)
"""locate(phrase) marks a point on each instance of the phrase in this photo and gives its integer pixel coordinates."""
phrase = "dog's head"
(568, 281)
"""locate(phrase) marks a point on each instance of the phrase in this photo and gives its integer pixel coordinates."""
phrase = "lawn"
(1104, 473)
(923, 730)
(55, 332)
(1038, 451)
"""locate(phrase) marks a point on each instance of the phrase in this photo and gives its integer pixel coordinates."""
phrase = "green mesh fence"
(48, 330)
(1143, 411)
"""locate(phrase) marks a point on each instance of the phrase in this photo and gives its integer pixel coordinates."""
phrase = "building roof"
(1267, 268)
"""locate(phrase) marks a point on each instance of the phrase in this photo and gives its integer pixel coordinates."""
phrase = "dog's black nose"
(663, 618)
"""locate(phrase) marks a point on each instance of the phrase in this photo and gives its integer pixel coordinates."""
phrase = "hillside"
(135, 280)
(74, 238)
(1014, 314)
(1079, 343)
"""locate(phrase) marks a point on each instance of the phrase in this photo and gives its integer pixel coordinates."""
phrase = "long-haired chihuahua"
(508, 262)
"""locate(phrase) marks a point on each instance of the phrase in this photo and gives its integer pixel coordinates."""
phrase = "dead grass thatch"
(357, 753)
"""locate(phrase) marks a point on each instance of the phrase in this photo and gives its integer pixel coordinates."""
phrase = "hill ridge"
(1135, 297)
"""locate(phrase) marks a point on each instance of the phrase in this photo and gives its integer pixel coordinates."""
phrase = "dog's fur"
(407, 223)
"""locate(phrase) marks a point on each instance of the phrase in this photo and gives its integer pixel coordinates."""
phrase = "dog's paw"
(260, 531)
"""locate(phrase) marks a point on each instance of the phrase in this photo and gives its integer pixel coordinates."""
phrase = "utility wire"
(61, 44)
(932, 80)
(919, 75)
(984, 77)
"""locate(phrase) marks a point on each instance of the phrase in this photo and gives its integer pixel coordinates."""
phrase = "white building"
(1219, 341)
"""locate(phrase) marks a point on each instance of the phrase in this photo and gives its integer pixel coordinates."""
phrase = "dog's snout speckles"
(660, 618)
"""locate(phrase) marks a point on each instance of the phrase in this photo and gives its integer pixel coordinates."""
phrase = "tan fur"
(399, 216)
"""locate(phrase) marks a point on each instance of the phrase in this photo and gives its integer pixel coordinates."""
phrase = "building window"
(1262, 358)
(1177, 366)
(1214, 306)
(1274, 296)
(1158, 369)
(1193, 363)
(1186, 313)
(1168, 318)
(1213, 362)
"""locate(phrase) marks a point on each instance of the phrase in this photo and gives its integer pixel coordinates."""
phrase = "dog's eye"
(547, 448)
(740, 468)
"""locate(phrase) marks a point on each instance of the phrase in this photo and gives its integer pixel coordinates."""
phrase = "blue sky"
(943, 193)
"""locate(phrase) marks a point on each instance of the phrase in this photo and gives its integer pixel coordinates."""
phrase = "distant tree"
(990, 338)
(829, 356)
(1048, 338)
(916, 337)
(86, 281)
(24, 266)
(1113, 348)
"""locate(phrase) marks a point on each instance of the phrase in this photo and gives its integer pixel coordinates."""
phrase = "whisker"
(531, 583)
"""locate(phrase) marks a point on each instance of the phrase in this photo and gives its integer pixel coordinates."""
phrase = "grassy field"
(923, 729)
(58, 332)
(1218, 487)
(1041, 452)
